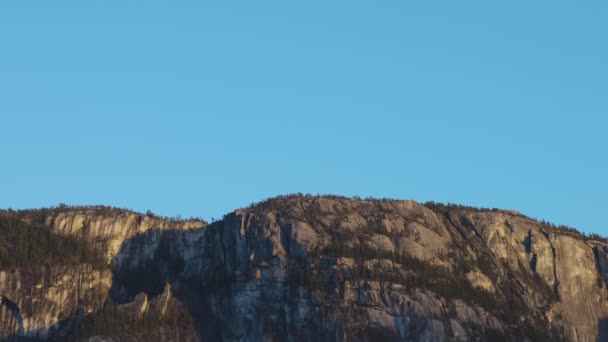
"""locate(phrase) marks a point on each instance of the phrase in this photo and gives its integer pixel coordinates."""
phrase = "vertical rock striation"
(322, 268)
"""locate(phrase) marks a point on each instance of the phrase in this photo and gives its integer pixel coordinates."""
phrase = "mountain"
(300, 268)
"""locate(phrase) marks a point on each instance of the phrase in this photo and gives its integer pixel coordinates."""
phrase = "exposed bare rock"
(478, 279)
(138, 307)
(111, 225)
(43, 297)
(318, 268)
(381, 243)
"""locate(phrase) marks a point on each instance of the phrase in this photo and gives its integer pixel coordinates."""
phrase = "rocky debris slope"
(337, 269)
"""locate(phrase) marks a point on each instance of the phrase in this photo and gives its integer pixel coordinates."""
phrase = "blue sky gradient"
(197, 108)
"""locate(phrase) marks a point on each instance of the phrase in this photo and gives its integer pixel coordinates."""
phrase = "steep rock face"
(271, 264)
(566, 264)
(336, 269)
(110, 225)
(339, 269)
(43, 299)
(556, 275)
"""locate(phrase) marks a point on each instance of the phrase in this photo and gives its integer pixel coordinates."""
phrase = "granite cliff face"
(303, 268)
(37, 300)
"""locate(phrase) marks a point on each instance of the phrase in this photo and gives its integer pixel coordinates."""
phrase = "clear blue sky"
(197, 109)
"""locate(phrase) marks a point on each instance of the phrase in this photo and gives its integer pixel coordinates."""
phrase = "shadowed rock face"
(330, 269)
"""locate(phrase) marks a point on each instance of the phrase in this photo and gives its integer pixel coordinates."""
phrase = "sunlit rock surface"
(304, 268)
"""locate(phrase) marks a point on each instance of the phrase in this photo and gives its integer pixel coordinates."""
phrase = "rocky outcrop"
(567, 264)
(39, 301)
(112, 226)
(334, 269)
(161, 318)
(43, 300)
